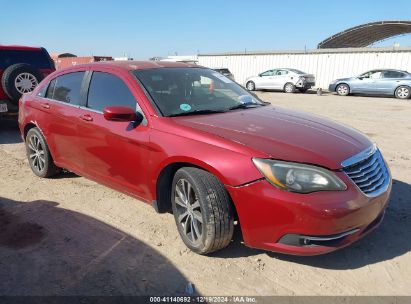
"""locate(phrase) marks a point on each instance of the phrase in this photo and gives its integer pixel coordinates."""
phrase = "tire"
(18, 79)
(208, 202)
(403, 92)
(303, 90)
(343, 89)
(289, 87)
(38, 154)
(250, 86)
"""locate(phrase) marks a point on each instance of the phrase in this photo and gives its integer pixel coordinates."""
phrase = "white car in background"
(287, 80)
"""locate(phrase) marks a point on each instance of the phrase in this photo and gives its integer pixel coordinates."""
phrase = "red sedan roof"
(144, 65)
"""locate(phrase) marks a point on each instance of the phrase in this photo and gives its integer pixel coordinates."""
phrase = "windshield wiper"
(245, 106)
(197, 112)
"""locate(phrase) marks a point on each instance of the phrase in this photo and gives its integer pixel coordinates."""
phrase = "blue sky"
(143, 29)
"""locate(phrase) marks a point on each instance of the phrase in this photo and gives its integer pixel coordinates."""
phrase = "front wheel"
(250, 86)
(202, 210)
(403, 92)
(343, 89)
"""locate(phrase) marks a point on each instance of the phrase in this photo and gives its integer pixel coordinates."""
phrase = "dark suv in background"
(226, 72)
(21, 70)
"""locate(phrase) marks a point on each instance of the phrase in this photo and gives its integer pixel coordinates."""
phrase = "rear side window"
(37, 59)
(393, 74)
(108, 90)
(66, 88)
(281, 72)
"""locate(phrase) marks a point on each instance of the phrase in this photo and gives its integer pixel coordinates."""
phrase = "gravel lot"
(71, 236)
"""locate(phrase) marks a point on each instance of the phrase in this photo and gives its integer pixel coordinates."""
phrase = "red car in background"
(21, 70)
(187, 139)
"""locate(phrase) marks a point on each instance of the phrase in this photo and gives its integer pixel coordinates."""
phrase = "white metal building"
(325, 64)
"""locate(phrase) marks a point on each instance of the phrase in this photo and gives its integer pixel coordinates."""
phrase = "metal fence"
(325, 64)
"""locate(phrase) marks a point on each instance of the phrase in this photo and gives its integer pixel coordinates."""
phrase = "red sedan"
(187, 139)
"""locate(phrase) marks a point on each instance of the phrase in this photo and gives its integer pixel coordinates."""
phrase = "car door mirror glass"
(120, 113)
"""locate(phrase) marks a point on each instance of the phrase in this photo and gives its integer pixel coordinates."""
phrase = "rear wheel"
(38, 154)
(343, 89)
(202, 210)
(403, 92)
(250, 86)
(289, 87)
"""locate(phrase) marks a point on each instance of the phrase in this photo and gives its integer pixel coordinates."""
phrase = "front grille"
(370, 174)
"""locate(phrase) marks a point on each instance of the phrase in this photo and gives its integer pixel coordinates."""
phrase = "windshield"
(189, 91)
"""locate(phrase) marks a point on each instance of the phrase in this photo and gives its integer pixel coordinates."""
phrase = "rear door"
(113, 153)
(390, 81)
(280, 78)
(58, 112)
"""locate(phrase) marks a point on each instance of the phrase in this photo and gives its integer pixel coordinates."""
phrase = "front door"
(113, 153)
(370, 83)
(265, 80)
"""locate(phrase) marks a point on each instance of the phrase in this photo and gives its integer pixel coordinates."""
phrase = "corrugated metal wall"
(325, 66)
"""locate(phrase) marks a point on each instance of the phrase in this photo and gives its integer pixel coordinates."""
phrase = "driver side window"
(372, 75)
(375, 75)
(268, 73)
(108, 90)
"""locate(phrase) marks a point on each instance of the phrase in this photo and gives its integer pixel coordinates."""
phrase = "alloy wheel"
(25, 82)
(403, 92)
(36, 154)
(250, 86)
(188, 211)
(342, 90)
(289, 88)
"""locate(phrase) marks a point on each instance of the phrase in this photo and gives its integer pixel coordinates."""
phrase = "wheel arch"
(340, 83)
(288, 82)
(30, 125)
(27, 128)
(165, 178)
(401, 85)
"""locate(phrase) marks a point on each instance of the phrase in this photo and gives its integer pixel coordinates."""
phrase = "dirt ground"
(71, 236)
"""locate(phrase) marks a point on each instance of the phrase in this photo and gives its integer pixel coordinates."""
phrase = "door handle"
(45, 105)
(86, 117)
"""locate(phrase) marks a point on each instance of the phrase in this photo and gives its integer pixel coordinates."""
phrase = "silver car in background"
(285, 79)
(376, 82)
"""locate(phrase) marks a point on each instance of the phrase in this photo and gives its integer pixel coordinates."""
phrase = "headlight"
(297, 177)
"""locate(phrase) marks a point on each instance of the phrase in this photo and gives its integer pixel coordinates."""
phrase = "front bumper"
(280, 221)
(332, 87)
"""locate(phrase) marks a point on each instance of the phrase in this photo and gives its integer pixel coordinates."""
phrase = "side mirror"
(259, 75)
(120, 113)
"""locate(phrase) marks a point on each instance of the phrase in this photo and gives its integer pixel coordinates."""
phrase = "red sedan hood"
(284, 134)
